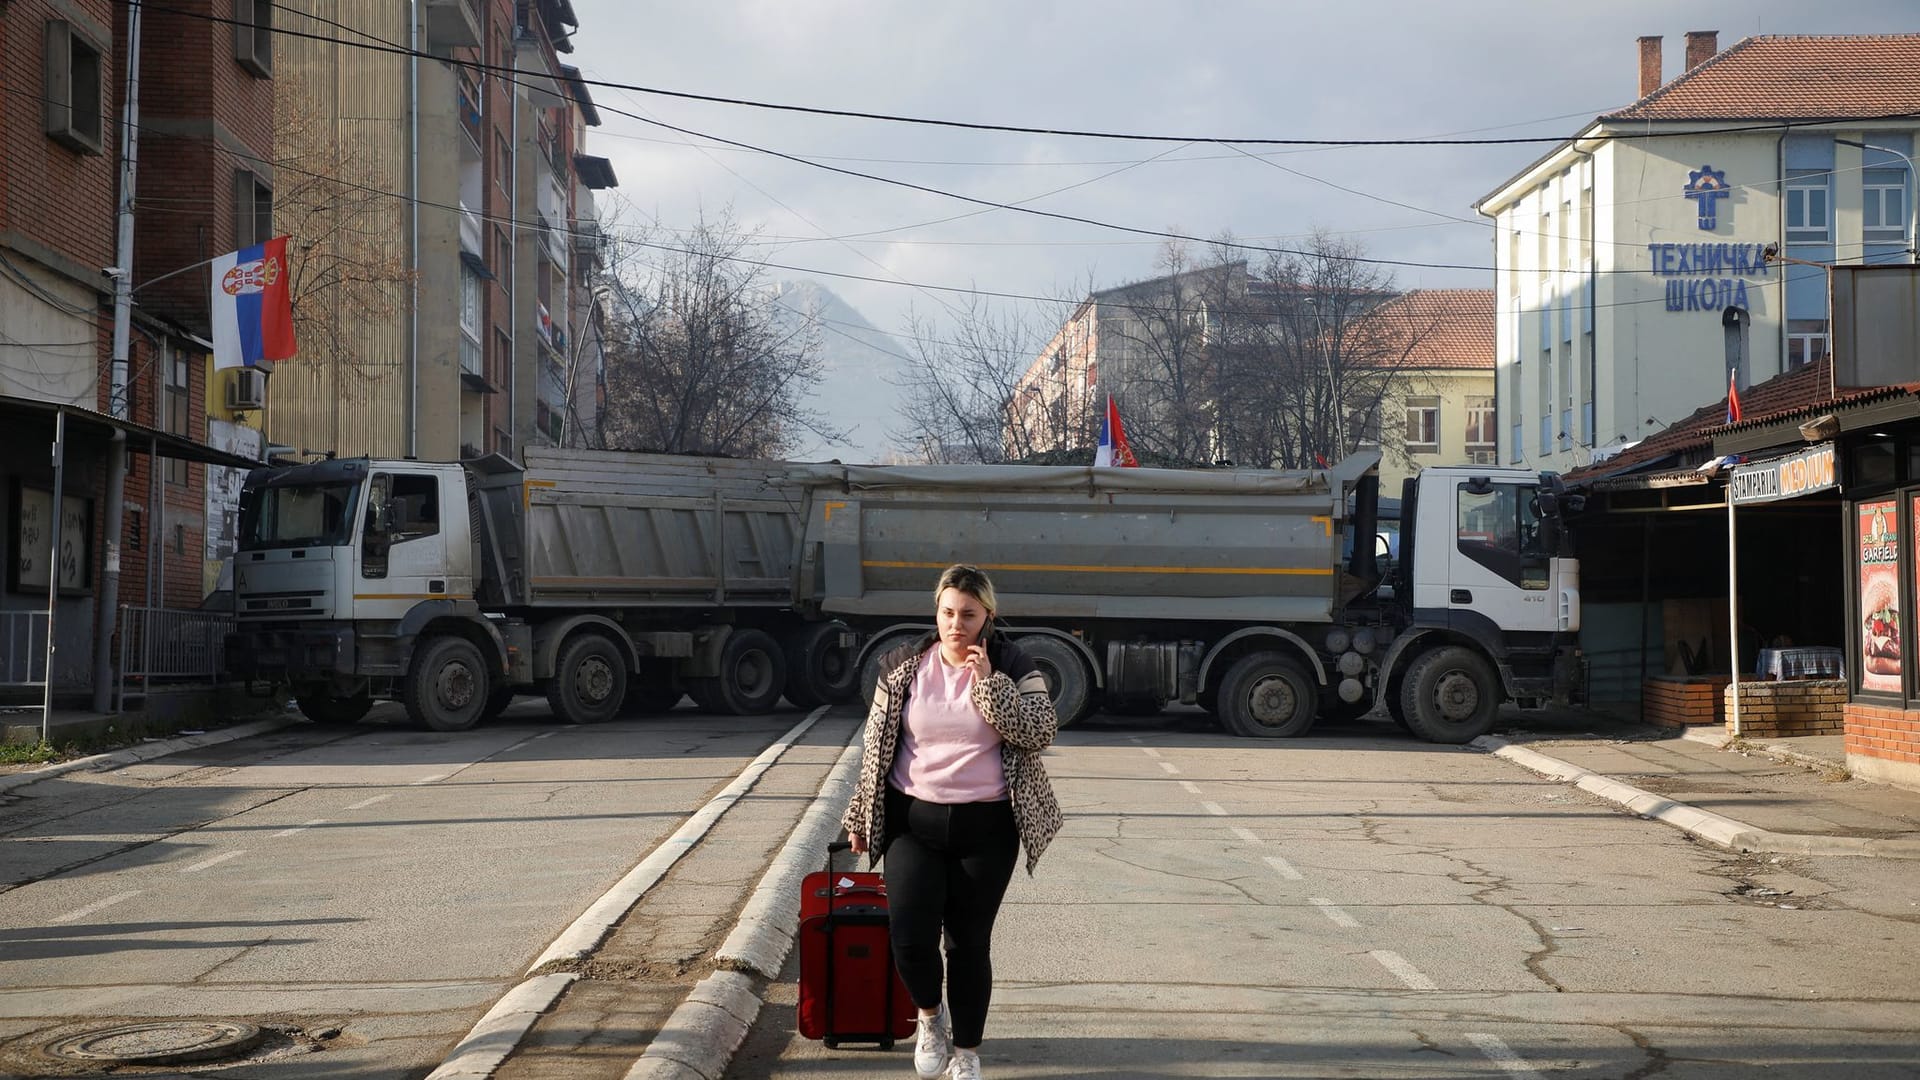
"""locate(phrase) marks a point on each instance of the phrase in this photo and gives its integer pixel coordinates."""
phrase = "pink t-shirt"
(948, 753)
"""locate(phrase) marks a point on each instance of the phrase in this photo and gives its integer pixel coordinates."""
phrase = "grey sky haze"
(1230, 68)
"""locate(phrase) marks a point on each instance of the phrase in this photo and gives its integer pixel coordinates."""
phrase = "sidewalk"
(1785, 795)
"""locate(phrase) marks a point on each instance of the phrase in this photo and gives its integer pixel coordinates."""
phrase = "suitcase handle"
(838, 846)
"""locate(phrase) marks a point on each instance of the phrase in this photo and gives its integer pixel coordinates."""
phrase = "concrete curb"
(1718, 739)
(487, 1046)
(763, 934)
(1692, 820)
(699, 1040)
(145, 751)
(594, 924)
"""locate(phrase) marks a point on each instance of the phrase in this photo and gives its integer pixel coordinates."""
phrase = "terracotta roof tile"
(1454, 327)
(1793, 77)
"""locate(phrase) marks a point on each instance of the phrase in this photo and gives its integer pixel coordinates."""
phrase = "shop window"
(1873, 465)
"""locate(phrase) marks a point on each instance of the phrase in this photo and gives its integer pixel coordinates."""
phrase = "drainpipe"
(1780, 230)
(513, 250)
(413, 227)
(105, 623)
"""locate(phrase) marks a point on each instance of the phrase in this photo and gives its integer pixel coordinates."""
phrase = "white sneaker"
(966, 1065)
(933, 1045)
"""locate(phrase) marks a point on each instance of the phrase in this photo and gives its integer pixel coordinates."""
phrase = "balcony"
(472, 239)
(452, 24)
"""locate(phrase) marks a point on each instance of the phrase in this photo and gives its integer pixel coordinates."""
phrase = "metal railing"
(23, 648)
(166, 645)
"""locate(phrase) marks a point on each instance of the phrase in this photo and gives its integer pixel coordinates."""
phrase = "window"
(469, 319)
(1498, 530)
(1809, 208)
(179, 397)
(1480, 421)
(1423, 425)
(252, 210)
(502, 162)
(400, 507)
(503, 261)
(1806, 341)
(1884, 211)
(253, 35)
(1363, 426)
(70, 86)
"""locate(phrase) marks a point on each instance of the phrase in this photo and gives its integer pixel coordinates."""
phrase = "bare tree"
(348, 261)
(1159, 344)
(989, 391)
(700, 357)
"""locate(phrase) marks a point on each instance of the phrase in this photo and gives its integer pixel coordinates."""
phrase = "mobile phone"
(986, 627)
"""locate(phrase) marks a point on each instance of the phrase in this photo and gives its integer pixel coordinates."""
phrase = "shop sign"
(1810, 470)
(1879, 533)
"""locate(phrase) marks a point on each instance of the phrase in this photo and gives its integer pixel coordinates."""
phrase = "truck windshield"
(312, 515)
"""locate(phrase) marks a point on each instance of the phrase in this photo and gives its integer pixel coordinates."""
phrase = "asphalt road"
(371, 890)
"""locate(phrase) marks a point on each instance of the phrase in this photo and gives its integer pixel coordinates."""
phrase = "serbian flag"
(1113, 449)
(1733, 398)
(252, 305)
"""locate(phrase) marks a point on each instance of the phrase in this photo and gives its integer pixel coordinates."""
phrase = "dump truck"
(1256, 594)
(609, 582)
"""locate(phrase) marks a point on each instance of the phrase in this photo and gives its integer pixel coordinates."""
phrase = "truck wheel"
(1066, 674)
(870, 669)
(752, 673)
(324, 708)
(1450, 696)
(498, 702)
(820, 671)
(1267, 695)
(448, 686)
(589, 681)
(651, 690)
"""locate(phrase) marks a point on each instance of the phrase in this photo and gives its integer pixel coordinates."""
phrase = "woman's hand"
(857, 842)
(978, 663)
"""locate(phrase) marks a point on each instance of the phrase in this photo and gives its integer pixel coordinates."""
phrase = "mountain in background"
(856, 392)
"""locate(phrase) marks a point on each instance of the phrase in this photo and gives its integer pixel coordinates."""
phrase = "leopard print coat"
(1013, 701)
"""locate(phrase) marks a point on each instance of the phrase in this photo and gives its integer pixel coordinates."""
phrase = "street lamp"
(1907, 192)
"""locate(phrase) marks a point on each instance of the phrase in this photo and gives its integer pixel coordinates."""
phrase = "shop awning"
(81, 421)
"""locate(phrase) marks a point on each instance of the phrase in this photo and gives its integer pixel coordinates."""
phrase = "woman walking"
(951, 787)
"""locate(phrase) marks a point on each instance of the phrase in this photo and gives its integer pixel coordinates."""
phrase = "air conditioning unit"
(247, 389)
(1483, 457)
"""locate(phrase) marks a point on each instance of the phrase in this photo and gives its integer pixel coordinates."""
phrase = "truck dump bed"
(603, 528)
(1069, 542)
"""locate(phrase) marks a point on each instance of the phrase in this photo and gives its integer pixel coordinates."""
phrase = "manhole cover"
(164, 1043)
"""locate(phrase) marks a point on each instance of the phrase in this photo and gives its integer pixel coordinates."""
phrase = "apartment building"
(1618, 252)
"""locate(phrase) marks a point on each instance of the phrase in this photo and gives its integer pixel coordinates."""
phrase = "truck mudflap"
(290, 654)
(1560, 680)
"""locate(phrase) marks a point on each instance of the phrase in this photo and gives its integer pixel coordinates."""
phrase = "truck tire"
(498, 702)
(1268, 695)
(589, 681)
(752, 674)
(1066, 673)
(1451, 695)
(652, 690)
(324, 708)
(870, 668)
(448, 686)
(820, 671)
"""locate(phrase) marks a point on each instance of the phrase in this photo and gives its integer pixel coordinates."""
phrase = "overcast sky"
(1219, 68)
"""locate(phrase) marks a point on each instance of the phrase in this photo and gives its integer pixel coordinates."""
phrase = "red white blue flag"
(1113, 449)
(252, 305)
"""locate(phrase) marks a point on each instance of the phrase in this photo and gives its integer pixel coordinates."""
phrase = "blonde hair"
(970, 580)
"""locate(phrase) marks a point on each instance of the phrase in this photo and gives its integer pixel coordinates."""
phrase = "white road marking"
(1172, 769)
(299, 828)
(215, 861)
(435, 777)
(364, 803)
(1135, 738)
(542, 735)
(1150, 751)
(1192, 788)
(1406, 972)
(1500, 1054)
(97, 905)
(1340, 918)
(1245, 834)
(1214, 808)
(1284, 868)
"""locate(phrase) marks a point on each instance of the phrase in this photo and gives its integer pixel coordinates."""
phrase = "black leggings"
(948, 865)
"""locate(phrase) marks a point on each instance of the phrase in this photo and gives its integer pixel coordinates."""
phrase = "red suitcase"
(849, 989)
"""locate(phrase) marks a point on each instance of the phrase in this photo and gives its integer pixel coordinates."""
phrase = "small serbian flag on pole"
(1733, 397)
(1113, 449)
(252, 305)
